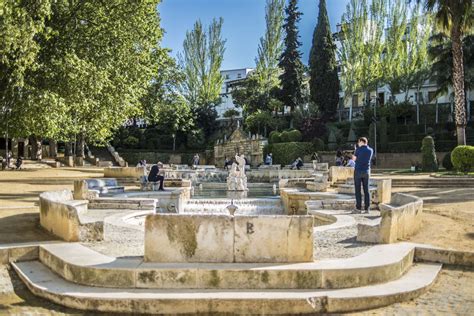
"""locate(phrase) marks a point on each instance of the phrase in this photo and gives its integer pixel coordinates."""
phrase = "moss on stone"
(265, 277)
(215, 280)
(184, 233)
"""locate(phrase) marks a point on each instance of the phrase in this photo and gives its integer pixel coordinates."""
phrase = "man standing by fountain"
(362, 157)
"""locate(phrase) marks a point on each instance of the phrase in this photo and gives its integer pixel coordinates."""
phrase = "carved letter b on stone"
(250, 228)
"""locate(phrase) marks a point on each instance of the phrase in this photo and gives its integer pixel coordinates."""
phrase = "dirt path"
(19, 190)
(448, 218)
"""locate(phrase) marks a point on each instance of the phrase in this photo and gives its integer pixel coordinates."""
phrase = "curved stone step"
(82, 265)
(44, 283)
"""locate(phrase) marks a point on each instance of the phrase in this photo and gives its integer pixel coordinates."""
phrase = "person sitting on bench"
(154, 175)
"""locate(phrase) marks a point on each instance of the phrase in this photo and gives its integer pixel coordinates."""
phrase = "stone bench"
(398, 220)
(380, 189)
(305, 166)
(59, 214)
(104, 186)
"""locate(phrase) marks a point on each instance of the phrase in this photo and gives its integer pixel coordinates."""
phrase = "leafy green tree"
(440, 52)
(395, 46)
(362, 29)
(163, 105)
(201, 61)
(290, 61)
(324, 81)
(21, 23)
(456, 18)
(353, 24)
(271, 46)
(97, 60)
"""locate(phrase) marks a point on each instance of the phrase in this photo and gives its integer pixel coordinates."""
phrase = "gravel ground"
(341, 243)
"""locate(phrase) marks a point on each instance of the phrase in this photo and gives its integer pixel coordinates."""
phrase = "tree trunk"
(80, 142)
(36, 149)
(458, 84)
(53, 148)
(68, 149)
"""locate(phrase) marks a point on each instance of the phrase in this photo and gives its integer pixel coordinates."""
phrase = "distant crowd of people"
(344, 159)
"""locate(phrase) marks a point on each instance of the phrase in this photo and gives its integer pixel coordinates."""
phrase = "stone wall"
(223, 238)
(274, 175)
(399, 220)
(340, 174)
(124, 172)
(387, 160)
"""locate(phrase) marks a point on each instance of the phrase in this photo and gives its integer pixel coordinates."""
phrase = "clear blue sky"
(244, 24)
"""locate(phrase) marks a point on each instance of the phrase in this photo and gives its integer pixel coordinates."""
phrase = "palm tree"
(456, 18)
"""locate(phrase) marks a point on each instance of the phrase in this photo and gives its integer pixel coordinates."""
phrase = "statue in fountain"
(237, 180)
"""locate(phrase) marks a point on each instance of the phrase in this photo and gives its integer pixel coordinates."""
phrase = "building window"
(355, 100)
(431, 96)
(381, 98)
(227, 77)
(239, 75)
(418, 97)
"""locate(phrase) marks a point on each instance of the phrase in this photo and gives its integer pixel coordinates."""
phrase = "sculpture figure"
(237, 180)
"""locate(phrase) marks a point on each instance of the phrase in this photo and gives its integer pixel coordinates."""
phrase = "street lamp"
(7, 111)
(174, 141)
(374, 120)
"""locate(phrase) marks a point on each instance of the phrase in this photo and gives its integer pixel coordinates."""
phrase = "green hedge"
(447, 164)
(285, 136)
(462, 158)
(414, 146)
(428, 154)
(286, 153)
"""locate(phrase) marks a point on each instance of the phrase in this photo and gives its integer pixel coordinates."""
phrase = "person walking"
(362, 157)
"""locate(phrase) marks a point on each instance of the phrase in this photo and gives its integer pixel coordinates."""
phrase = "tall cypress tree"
(290, 60)
(324, 82)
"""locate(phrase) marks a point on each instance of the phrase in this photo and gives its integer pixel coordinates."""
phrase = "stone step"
(44, 283)
(82, 265)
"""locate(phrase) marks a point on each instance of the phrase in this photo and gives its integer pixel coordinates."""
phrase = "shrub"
(447, 164)
(428, 154)
(286, 153)
(352, 137)
(313, 127)
(152, 143)
(275, 137)
(295, 135)
(285, 137)
(131, 142)
(332, 140)
(462, 158)
(318, 144)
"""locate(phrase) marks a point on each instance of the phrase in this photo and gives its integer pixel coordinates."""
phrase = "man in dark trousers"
(362, 157)
(154, 175)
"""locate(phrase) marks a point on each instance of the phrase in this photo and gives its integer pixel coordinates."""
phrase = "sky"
(244, 24)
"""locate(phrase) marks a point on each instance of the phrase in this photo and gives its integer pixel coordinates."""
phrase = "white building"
(230, 76)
